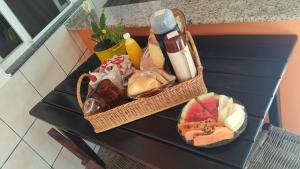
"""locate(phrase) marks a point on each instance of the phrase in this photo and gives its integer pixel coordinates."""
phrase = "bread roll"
(135, 76)
(164, 74)
(142, 81)
(142, 84)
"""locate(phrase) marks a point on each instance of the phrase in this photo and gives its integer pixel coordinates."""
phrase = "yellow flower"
(86, 6)
(103, 31)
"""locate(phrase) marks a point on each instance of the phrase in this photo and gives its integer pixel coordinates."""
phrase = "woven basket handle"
(195, 54)
(193, 49)
(78, 92)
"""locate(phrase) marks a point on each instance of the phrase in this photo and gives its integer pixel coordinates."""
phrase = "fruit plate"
(217, 122)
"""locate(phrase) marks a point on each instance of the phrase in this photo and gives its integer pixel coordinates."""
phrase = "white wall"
(24, 142)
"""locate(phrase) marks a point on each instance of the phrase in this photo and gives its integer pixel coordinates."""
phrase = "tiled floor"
(36, 150)
(68, 160)
(25, 157)
(16, 97)
(43, 71)
(39, 140)
(24, 142)
(58, 49)
(8, 141)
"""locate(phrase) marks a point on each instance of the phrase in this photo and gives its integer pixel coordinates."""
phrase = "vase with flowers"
(108, 39)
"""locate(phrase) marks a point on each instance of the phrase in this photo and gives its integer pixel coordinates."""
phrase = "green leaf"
(95, 35)
(102, 20)
(95, 27)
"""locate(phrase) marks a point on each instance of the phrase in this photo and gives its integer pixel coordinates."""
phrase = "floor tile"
(64, 49)
(38, 138)
(87, 54)
(8, 141)
(25, 158)
(78, 40)
(43, 71)
(67, 160)
(17, 97)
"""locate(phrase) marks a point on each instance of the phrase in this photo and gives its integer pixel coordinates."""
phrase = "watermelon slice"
(194, 112)
(211, 105)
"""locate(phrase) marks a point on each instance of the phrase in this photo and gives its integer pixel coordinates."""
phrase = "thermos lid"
(162, 21)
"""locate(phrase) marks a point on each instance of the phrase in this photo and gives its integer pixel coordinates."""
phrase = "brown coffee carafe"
(105, 96)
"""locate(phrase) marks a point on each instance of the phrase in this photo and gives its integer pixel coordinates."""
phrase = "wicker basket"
(143, 107)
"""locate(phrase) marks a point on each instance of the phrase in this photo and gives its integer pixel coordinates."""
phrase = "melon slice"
(225, 108)
(194, 112)
(220, 133)
(236, 119)
(239, 106)
(224, 101)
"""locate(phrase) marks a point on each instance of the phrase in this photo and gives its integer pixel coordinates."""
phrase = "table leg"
(84, 146)
(274, 112)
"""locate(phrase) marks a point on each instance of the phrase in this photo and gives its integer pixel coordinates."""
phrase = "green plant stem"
(93, 40)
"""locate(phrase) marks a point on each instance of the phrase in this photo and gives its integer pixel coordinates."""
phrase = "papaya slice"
(201, 125)
(189, 135)
(219, 134)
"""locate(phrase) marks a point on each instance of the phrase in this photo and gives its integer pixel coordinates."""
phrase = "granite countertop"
(196, 11)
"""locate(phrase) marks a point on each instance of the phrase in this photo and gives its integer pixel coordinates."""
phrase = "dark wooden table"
(248, 68)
